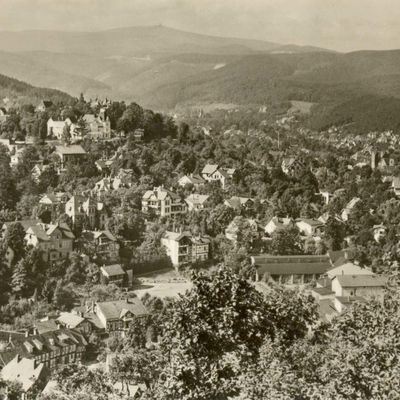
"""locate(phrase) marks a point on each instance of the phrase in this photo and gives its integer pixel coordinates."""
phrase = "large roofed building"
(291, 270)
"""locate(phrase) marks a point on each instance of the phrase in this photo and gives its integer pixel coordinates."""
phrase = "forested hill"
(19, 92)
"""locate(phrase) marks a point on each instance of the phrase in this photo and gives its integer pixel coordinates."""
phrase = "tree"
(14, 238)
(136, 366)
(64, 296)
(66, 135)
(218, 324)
(131, 119)
(78, 382)
(286, 242)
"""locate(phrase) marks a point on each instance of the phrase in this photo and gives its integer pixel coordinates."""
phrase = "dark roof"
(42, 343)
(323, 291)
(346, 300)
(361, 280)
(288, 265)
(26, 223)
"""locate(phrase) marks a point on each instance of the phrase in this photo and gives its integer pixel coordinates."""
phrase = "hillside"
(164, 68)
(135, 42)
(40, 72)
(124, 63)
(21, 93)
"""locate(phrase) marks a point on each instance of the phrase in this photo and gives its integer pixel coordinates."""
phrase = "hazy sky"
(337, 24)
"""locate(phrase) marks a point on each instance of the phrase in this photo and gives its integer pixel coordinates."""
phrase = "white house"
(277, 223)
(359, 285)
(163, 202)
(183, 247)
(213, 173)
(196, 201)
(310, 227)
(348, 268)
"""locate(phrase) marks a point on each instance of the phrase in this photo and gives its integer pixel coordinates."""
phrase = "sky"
(342, 25)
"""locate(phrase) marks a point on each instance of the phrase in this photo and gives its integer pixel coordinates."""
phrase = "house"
(56, 128)
(62, 346)
(233, 230)
(292, 166)
(348, 208)
(163, 202)
(43, 106)
(99, 126)
(86, 211)
(55, 240)
(213, 173)
(30, 374)
(291, 270)
(26, 223)
(52, 200)
(16, 156)
(396, 185)
(117, 316)
(348, 268)
(340, 303)
(184, 248)
(326, 196)
(70, 154)
(102, 244)
(384, 161)
(138, 134)
(277, 223)
(104, 166)
(239, 203)
(3, 115)
(113, 274)
(379, 232)
(192, 179)
(196, 202)
(38, 170)
(310, 227)
(108, 184)
(359, 285)
(74, 321)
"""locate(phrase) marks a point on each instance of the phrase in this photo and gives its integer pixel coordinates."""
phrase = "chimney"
(27, 333)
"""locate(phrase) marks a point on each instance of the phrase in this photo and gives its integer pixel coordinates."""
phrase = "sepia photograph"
(199, 200)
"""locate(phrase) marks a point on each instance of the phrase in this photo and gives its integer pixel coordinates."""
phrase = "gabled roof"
(25, 371)
(209, 169)
(348, 268)
(113, 309)
(176, 236)
(160, 193)
(44, 343)
(195, 198)
(396, 182)
(70, 320)
(237, 202)
(361, 280)
(194, 179)
(26, 223)
(94, 235)
(280, 223)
